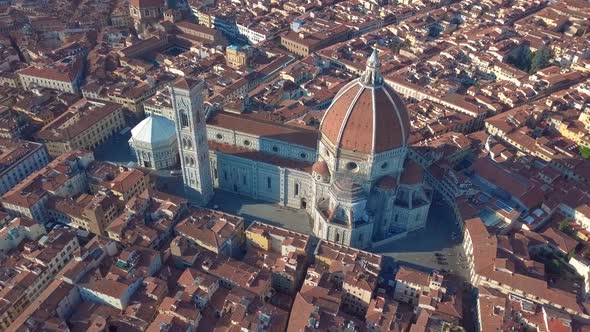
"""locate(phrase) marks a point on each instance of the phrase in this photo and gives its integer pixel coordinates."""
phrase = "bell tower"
(191, 131)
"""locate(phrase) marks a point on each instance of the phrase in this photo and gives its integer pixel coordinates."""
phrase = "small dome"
(386, 182)
(413, 173)
(154, 130)
(347, 189)
(321, 167)
(367, 116)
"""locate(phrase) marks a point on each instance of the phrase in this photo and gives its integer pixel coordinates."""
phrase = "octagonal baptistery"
(366, 128)
(154, 142)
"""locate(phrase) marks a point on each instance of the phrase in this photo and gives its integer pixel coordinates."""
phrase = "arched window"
(337, 239)
(183, 119)
(296, 189)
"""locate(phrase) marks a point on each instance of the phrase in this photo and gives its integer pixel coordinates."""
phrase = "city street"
(420, 248)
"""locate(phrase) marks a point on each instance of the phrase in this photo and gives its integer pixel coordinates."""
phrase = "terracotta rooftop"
(260, 156)
(146, 3)
(412, 276)
(80, 117)
(212, 228)
(65, 70)
(264, 129)
(412, 174)
(287, 237)
(185, 83)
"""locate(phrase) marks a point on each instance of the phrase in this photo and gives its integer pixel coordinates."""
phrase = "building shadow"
(436, 236)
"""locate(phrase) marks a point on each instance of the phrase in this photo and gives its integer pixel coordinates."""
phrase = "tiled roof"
(366, 118)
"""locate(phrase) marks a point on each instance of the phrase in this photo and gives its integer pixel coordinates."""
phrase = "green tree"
(564, 226)
(540, 59)
(397, 45)
(553, 266)
(585, 152)
(521, 58)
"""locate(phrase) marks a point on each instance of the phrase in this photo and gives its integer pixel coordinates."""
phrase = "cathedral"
(353, 177)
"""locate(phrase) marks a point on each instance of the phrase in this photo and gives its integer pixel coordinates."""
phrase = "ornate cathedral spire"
(372, 74)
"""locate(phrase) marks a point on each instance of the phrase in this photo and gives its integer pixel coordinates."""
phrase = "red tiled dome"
(367, 116)
(320, 167)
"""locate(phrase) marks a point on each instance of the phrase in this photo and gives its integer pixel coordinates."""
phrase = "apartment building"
(287, 250)
(64, 177)
(159, 104)
(148, 219)
(64, 75)
(130, 182)
(34, 263)
(410, 284)
(200, 33)
(494, 263)
(356, 270)
(125, 277)
(215, 231)
(311, 34)
(18, 159)
(85, 125)
(276, 239)
(199, 285)
(238, 56)
(17, 230)
(89, 212)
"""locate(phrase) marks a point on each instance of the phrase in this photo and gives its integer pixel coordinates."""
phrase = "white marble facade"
(154, 142)
(355, 197)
